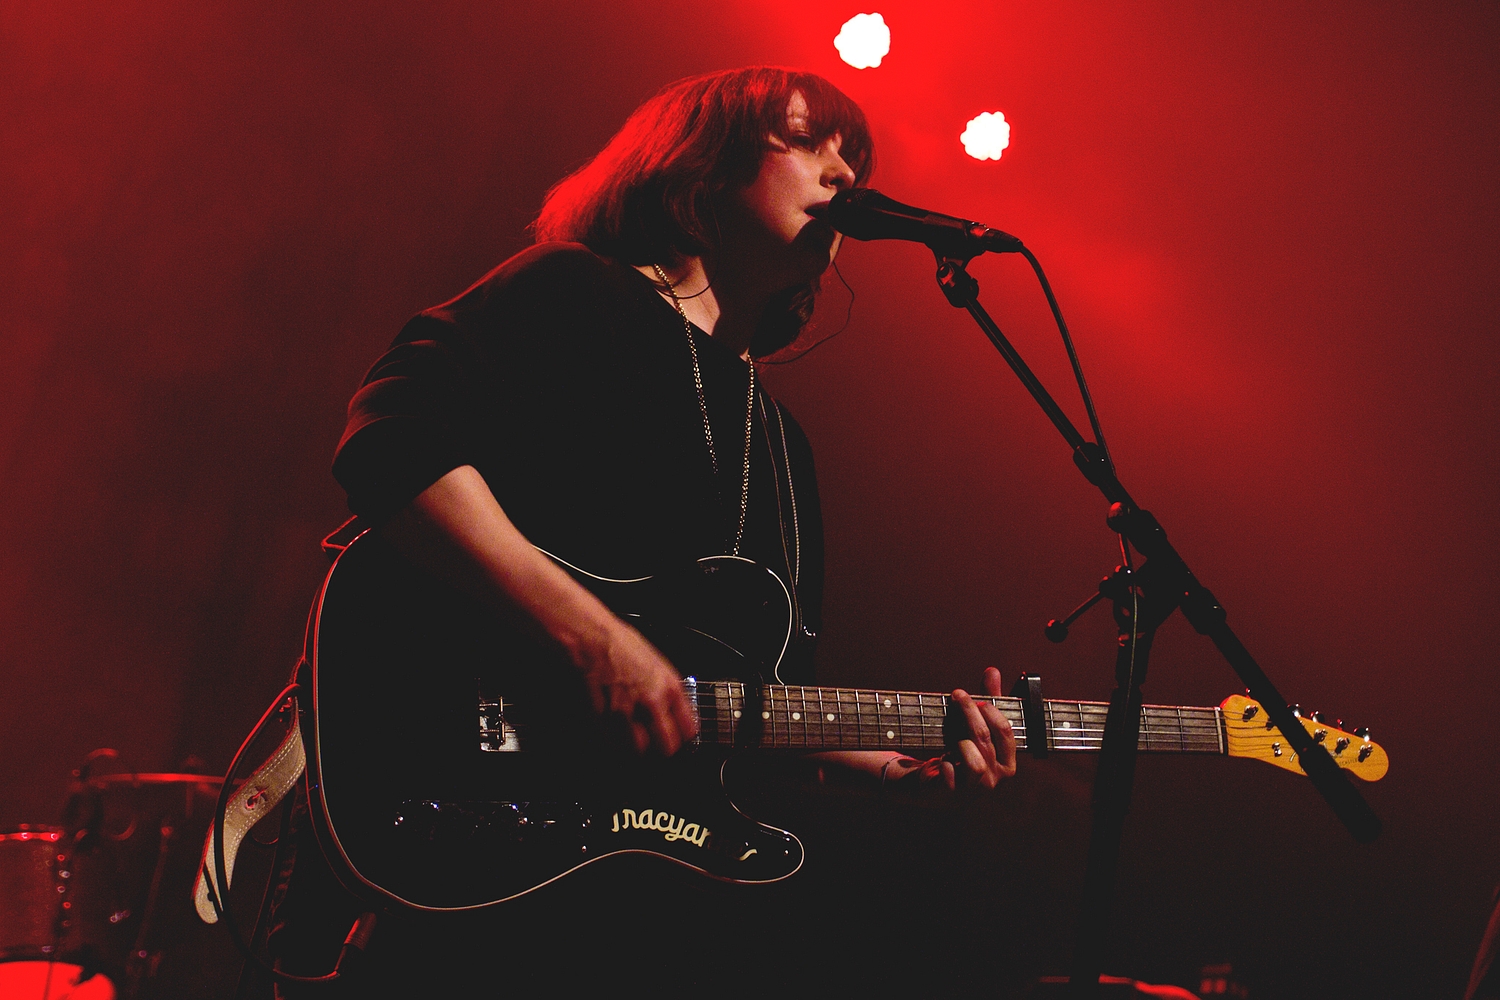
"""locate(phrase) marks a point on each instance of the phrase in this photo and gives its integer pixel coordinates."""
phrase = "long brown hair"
(647, 197)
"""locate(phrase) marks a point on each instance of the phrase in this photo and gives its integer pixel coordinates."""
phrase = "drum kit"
(100, 907)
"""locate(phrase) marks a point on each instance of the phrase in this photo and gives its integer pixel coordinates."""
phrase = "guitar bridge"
(495, 735)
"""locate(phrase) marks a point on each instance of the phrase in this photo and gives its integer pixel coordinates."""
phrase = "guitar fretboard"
(825, 718)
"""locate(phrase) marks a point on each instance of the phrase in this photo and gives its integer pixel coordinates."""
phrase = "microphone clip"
(953, 277)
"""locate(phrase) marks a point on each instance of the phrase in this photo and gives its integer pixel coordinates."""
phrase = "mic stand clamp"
(1115, 586)
(1143, 599)
(1161, 585)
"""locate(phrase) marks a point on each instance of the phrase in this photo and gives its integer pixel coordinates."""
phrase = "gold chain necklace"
(708, 431)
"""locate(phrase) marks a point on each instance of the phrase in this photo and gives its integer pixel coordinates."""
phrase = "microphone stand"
(1143, 599)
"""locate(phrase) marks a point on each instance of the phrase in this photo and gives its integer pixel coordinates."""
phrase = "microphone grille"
(850, 212)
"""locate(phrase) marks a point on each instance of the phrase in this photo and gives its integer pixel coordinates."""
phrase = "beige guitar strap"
(255, 799)
(250, 804)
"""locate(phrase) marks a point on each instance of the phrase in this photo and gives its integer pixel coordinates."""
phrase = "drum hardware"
(36, 914)
(104, 898)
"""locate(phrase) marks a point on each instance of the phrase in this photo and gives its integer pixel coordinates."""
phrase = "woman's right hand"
(637, 691)
(456, 531)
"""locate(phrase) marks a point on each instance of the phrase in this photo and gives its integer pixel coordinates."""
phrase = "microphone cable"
(1067, 339)
(848, 313)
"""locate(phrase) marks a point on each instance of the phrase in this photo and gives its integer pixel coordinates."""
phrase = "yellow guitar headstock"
(1249, 733)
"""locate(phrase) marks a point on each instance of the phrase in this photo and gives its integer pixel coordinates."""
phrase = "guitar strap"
(250, 804)
(264, 789)
(791, 555)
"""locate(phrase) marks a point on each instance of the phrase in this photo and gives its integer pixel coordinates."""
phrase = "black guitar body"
(452, 763)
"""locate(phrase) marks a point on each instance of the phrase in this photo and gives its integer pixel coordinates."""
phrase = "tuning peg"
(1296, 710)
(1317, 717)
(1338, 723)
(1363, 732)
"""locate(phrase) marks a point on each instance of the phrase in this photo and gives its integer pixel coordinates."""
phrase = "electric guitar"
(449, 766)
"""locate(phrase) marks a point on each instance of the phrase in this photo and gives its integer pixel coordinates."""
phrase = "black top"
(565, 379)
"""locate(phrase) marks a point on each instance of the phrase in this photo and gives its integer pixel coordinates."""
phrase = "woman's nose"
(838, 174)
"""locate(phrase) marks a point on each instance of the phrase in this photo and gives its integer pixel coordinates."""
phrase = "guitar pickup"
(492, 824)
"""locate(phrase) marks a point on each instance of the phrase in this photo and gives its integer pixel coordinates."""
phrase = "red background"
(1271, 227)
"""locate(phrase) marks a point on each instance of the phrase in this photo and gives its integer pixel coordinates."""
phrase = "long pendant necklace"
(708, 431)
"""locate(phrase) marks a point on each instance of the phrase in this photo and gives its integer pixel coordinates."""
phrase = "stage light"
(986, 136)
(863, 41)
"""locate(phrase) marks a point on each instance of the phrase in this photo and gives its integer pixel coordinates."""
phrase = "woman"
(595, 397)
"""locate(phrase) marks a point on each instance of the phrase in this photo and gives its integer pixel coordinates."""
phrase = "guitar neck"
(793, 717)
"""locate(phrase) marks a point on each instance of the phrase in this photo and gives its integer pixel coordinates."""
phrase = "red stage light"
(986, 136)
(863, 41)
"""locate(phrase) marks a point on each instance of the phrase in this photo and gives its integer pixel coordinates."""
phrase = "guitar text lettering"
(671, 827)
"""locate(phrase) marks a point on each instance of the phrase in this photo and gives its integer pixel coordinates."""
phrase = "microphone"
(866, 214)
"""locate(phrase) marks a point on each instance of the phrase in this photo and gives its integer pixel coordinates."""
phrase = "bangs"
(750, 105)
(830, 113)
(647, 196)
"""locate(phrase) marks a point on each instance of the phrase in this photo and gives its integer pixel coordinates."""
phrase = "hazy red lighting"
(863, 41)
(986, 136)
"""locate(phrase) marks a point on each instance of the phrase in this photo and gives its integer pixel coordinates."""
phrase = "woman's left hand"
(988, 755)
(981, 761)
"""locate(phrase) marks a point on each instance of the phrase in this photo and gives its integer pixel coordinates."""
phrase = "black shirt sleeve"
(417, 413)
(406, 427)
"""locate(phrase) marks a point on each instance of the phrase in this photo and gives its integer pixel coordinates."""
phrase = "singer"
(596, 396)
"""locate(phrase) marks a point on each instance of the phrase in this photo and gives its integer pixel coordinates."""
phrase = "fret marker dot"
(736, 713)
(796, 716)
(890, 734)
(765, 715)
(888, 703)
(830, 716)
(1067, 725)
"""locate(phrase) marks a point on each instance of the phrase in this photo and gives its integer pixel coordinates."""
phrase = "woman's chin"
(815, 247)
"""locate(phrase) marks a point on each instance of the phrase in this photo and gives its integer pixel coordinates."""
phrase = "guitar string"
(1208, 717)
(874, 739)
(1197, 728)
(866, 727)
(853, 696)
(1194, 728)
(878, 735)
